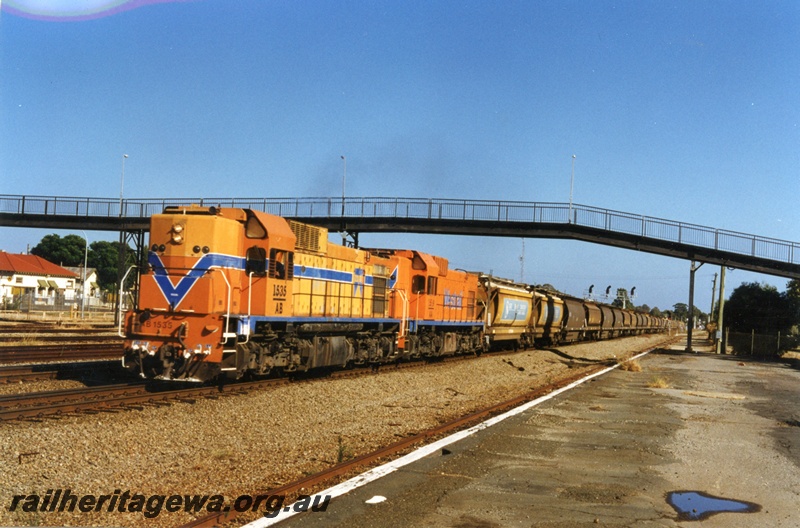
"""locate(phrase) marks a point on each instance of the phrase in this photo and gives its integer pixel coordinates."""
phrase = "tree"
(104, 257)
(793, 289)
(622, 300)
(655, 312)
(67, 251)
(793, 296)
(760, 308)
(680, 311)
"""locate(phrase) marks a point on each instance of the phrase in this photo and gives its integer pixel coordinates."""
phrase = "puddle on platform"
(698, 506)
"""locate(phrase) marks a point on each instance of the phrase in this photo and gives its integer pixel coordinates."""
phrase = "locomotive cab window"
(281, 264)
(256, 261)
(254, 229)
(418, 284)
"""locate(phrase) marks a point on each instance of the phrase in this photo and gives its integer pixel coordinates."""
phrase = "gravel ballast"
(245, 444)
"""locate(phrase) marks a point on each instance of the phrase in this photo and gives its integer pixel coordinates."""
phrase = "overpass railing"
(429, 209)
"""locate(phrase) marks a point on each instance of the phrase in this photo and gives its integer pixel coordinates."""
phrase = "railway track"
(83, 337)
(139, 393)
(50, 371)
(71, 352)
(55, 329)
(114, 397)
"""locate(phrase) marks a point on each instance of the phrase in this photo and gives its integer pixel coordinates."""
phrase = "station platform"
(609, 453)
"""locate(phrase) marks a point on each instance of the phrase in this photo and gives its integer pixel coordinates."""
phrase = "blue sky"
(681, 110)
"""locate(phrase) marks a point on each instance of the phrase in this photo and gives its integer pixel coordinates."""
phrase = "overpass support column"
(690, 324)
(722, 343)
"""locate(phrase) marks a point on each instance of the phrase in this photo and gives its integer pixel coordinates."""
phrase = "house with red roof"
(90, 289)
(28, 274)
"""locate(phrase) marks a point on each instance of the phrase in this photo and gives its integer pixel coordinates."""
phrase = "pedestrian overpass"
(518, 219)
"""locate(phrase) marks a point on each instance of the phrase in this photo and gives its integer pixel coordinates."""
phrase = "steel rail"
(49, 371)
(40, 404)
(35, 354)
(58, 338)
(66, 330)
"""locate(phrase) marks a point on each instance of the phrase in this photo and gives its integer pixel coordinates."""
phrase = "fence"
(763, 346)
(30, 302)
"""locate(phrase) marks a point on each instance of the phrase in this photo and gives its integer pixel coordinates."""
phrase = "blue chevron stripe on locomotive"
(175, 293)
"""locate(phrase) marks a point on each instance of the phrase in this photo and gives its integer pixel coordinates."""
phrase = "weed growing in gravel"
(222, 454)
(630, 366)
(28, 340)
(343, 452)
(658, 383)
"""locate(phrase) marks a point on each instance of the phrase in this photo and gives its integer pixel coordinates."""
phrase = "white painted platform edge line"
(390, 467)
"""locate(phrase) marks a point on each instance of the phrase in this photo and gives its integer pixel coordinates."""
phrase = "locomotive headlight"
(177, 234)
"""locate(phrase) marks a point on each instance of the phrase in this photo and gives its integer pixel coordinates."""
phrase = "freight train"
(229, 292)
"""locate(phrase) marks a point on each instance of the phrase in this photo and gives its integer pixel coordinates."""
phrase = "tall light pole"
(121, 259)
(722, 344)
(344, 179)
(83, 278)
(122, 183)
(571, 183)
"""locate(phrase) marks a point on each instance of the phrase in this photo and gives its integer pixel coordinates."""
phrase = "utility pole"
(571, 182)
(122, 243)
(522, 263)
(721, 346)
(344, 179)
(713, 293)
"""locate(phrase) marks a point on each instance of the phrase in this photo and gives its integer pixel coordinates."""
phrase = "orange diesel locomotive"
(229, 292)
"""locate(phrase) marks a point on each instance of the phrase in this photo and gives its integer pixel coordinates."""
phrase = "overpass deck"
(441, 216)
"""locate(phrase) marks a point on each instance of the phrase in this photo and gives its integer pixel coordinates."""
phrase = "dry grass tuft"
(28, 340)
(630, 366)
(658, 383)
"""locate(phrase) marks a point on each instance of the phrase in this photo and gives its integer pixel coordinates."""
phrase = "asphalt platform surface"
(609, 453)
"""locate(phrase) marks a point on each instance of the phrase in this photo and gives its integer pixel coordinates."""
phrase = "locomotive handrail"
(119, 301)
(226, 333)
(404, 318)
(115, 214)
